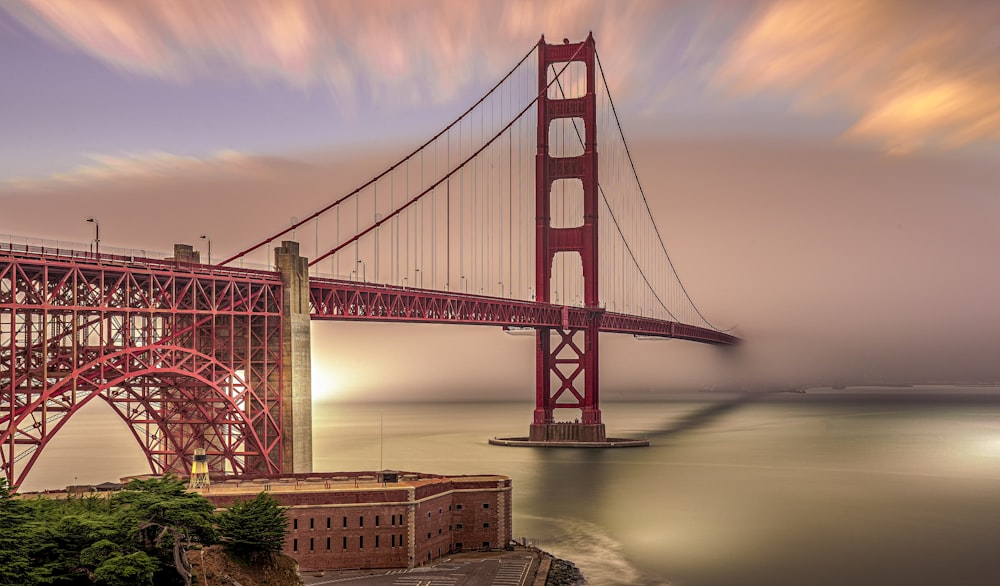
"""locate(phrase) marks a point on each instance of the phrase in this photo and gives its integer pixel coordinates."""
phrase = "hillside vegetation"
(146, 534)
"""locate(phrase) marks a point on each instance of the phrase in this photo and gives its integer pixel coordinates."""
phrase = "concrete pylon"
(296, 376)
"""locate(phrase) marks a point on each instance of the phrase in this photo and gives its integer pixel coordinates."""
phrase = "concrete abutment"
(296, 373)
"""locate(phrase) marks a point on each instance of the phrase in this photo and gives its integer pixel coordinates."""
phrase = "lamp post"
(378, 225)
(463, 284)
(364, 277)
(209, 240)
(418, 278)
(501, 288)
(97, 236)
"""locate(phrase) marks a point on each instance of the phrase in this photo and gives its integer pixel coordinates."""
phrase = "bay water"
(822, 488)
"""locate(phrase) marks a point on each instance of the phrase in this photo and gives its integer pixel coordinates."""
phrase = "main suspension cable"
(385, 172)
(420, 196)
(635, 173)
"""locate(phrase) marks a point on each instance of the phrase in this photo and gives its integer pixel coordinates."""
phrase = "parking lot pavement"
(508, 568)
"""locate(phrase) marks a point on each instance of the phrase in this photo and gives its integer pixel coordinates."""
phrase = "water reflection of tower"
(571, 482)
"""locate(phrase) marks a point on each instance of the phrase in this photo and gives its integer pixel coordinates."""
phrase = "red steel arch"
(189, 356)
(167, 420)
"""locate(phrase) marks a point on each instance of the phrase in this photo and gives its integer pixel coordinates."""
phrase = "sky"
(825, 173)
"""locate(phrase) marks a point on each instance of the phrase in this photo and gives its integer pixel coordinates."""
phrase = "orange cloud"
(382, 51)
(104, 168)
(912, 75)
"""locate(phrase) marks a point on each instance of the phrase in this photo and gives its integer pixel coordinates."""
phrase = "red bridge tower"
(562, 361)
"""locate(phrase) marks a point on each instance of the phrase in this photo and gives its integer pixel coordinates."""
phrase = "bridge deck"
(352, 301)
(341, 300)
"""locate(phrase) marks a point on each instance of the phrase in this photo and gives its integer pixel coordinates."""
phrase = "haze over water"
(824, 488)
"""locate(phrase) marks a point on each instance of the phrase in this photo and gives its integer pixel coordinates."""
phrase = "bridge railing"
(68, 249)
(60, 249)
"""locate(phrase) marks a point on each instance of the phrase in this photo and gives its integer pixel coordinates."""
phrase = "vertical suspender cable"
(394, 231)
(461, 214)
(407, 247)
(357, 228)
(447, 192)
(510, 195)
(418, 226)
(434, 237)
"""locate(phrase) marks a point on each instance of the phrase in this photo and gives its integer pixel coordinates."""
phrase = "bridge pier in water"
(561, 359)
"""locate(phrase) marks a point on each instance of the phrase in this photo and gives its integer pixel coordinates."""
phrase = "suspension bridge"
(507, 217)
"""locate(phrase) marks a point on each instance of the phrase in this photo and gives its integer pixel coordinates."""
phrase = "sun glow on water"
(326, 382)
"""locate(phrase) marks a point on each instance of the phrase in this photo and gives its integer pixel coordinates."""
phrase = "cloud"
(103, 168)
(909, 74)
(384, 52)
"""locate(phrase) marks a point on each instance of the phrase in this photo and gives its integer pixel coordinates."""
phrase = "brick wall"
(394, 526)
(366, 536)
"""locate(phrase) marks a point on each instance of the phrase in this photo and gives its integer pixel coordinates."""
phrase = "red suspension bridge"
(507, 217)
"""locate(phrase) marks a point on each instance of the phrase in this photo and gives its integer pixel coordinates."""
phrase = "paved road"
(494, 569)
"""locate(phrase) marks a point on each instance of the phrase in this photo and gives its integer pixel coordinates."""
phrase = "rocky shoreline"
(564, 573)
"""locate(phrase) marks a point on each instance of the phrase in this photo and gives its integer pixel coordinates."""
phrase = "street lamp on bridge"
(209, 240)
(97, 235)
(418, 278)
(364, 277)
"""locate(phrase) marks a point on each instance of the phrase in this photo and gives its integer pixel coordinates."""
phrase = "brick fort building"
(351, 520)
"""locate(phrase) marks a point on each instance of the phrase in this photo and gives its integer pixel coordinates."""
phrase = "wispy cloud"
(102, 168)
(904, 74)
(909, 74)
(379, 51)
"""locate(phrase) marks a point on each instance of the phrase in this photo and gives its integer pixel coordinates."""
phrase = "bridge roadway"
(344, 300)
(350, 301)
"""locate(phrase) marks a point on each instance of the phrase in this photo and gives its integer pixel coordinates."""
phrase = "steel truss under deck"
(188, 356)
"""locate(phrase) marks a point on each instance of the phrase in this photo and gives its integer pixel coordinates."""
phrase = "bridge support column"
(567, 356)
(296, 372)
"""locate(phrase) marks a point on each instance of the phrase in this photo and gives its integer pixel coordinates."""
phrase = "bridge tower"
(567, 356)
(296, 383)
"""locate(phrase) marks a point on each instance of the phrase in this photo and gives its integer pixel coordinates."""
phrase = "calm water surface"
(788, 490)
(784, 490)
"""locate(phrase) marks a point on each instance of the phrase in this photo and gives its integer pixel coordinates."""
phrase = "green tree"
(254, 529)
(97, 553)
(162, 516)
(15, 563)
(162, 507)
(135, 569)
(57, 543)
